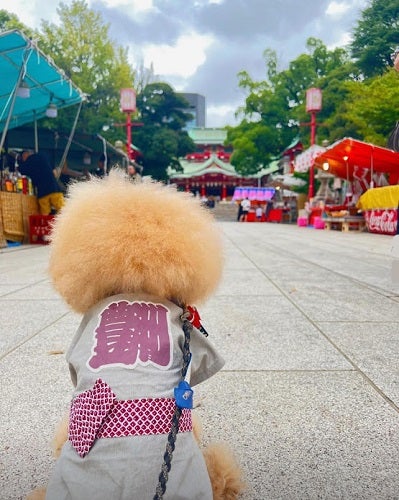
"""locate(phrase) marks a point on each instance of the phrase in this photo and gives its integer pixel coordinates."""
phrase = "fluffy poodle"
(133, 259)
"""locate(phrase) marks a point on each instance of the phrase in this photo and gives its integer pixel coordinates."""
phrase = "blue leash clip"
(184, 395)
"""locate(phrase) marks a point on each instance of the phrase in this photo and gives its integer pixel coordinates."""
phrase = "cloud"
(201, 45)
(181, 59)
(137, 6)
(337, 9)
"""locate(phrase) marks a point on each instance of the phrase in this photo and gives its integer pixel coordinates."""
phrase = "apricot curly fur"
(224, 472)
(124, 237)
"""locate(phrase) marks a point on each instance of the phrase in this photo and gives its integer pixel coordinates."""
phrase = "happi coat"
(125, 361)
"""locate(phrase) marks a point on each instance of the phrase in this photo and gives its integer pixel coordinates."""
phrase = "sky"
(200, 46)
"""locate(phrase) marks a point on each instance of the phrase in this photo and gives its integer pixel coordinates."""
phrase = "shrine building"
(208, 171)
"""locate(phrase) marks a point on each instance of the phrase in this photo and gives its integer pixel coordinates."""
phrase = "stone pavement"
(308, 322)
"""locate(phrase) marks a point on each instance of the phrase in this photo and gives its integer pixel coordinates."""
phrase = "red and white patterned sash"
(97, 413)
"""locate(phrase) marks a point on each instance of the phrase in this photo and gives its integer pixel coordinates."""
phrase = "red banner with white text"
(382, 221)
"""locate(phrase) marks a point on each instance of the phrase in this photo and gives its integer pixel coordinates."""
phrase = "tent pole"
(372, 168)
(11, 109)
(105, 156)
(36, 138)
(68, 145)
(21, 76)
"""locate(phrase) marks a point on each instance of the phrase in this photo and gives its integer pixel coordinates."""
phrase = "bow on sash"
(87, 413)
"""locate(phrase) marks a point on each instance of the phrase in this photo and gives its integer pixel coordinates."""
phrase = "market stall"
(32, 87)
(83, 152)
(362, 165)
(380, 208)
(274, 202)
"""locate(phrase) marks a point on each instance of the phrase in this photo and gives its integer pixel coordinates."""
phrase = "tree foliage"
(81, 46)
(376, 36)
(274, 111)
(372, 107)
(9, 21)
(162, 137)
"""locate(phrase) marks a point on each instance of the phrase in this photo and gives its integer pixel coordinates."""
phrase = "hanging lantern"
(313, 100)
(128, 100)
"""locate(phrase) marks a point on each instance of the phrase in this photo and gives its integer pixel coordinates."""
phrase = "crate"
(318, 223)
(30, 206)
(302, 221)
(40, 229)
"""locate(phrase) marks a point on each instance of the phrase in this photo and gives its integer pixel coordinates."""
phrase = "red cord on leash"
(195, 319)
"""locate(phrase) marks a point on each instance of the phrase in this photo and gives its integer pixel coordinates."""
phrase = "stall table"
(345, 223)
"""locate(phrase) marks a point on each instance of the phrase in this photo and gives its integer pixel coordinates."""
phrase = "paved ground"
(308, 322)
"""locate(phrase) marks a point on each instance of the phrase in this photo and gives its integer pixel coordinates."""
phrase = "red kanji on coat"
(131, 333)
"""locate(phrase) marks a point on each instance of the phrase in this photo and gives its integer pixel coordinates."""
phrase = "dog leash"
(184, 399)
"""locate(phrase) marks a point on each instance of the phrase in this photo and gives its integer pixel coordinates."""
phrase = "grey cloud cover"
(243, 30)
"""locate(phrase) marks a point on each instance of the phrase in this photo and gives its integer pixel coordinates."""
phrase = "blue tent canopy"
(22, 61)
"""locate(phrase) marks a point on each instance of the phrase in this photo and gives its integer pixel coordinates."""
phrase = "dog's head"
(114, 237)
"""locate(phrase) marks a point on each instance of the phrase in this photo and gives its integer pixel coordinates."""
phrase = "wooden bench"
(345, 224)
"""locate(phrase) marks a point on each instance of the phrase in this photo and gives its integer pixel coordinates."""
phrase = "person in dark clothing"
(269, 207)
(37, 167)
(102, 167)
(239, 214)
(66, 175)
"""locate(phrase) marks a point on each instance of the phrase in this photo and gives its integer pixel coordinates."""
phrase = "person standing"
(239, 213)
(131, 171)
(269, 208)
(102, 166)
(38, 168)
(245, 207)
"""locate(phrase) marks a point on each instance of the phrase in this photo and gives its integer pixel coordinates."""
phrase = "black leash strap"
(170, 446)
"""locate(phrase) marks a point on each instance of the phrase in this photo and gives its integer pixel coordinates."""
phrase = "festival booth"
(260, 197)
(31, 88)
(84, 150)
(364, 167)
(257, 197)
(380, 207)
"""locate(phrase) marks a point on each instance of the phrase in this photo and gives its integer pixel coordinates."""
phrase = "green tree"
(374, 107)
(162, 138)
(254, 146)
(81, 46)
(274, 110)
(9, 21)
(376, 36)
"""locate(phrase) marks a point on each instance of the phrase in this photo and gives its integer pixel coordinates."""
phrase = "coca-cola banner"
(383, 221)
